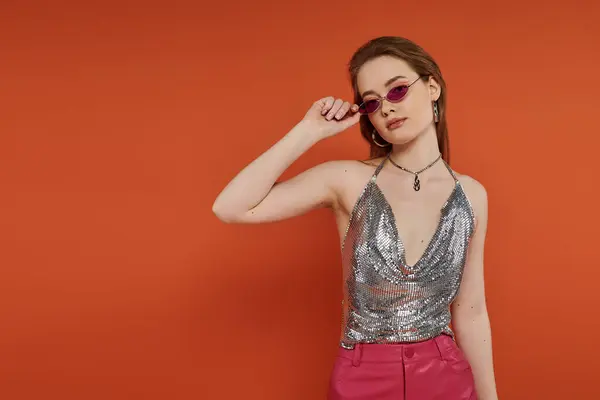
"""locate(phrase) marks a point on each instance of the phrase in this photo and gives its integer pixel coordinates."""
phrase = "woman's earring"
(375, 141)
(436, 112)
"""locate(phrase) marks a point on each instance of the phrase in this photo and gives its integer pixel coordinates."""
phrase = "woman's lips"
(395, 123)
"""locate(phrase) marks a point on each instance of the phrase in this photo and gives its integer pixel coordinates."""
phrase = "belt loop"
(357, 354)
(438, 343)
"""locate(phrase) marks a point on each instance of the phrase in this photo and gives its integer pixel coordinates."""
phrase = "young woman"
(412, 231)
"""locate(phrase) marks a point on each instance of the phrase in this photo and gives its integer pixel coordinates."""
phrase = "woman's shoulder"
(349, 165)
(475, 192)
(471, 184)
(347, 176)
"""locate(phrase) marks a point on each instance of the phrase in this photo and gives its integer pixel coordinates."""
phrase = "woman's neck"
(418, 153)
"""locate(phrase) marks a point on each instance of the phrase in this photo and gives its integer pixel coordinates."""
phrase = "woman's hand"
(329, 116)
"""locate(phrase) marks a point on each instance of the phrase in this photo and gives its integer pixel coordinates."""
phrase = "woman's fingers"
(337, 108)
(342, 111)
(327, 104)
(337, 104)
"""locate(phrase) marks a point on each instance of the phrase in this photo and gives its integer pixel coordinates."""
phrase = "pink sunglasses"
(395, 95)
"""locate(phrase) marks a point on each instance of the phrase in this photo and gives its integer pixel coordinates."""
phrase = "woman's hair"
(421, 62)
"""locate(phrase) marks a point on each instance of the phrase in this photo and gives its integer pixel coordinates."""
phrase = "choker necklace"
(417, 184)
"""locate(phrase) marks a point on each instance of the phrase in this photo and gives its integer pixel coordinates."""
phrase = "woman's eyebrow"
(387, 83)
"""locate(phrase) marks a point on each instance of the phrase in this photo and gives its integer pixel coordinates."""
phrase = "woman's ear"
(435, 89)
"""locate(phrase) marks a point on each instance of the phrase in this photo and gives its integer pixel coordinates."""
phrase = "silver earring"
(375, 141)
(436, 112)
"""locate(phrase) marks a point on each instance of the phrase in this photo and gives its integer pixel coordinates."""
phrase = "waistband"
(436, 347)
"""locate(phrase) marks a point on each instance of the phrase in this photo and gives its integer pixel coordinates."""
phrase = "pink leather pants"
(428, 370)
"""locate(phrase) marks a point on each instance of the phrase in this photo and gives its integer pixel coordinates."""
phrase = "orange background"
(121, 122)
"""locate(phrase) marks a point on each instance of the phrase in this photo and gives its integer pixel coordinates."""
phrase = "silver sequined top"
(386, 300)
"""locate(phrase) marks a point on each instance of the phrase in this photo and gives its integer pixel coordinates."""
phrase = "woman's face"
(399, 122)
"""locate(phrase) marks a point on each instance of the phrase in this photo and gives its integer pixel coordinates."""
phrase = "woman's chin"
(399, 139)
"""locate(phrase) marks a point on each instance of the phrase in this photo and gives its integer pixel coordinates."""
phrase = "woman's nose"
(387, 107)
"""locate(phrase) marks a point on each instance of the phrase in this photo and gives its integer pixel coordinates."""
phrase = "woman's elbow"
(223, 214)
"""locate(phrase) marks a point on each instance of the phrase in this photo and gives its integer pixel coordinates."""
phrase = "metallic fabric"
(386, 300)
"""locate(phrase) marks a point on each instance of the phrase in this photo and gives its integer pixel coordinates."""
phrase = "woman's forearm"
(253, 183)
(473, 334)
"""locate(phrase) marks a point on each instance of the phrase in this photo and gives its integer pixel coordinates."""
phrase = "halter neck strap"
(380, 167)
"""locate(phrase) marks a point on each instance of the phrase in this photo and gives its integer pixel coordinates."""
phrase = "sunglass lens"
(397, 93)
(369, 106)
